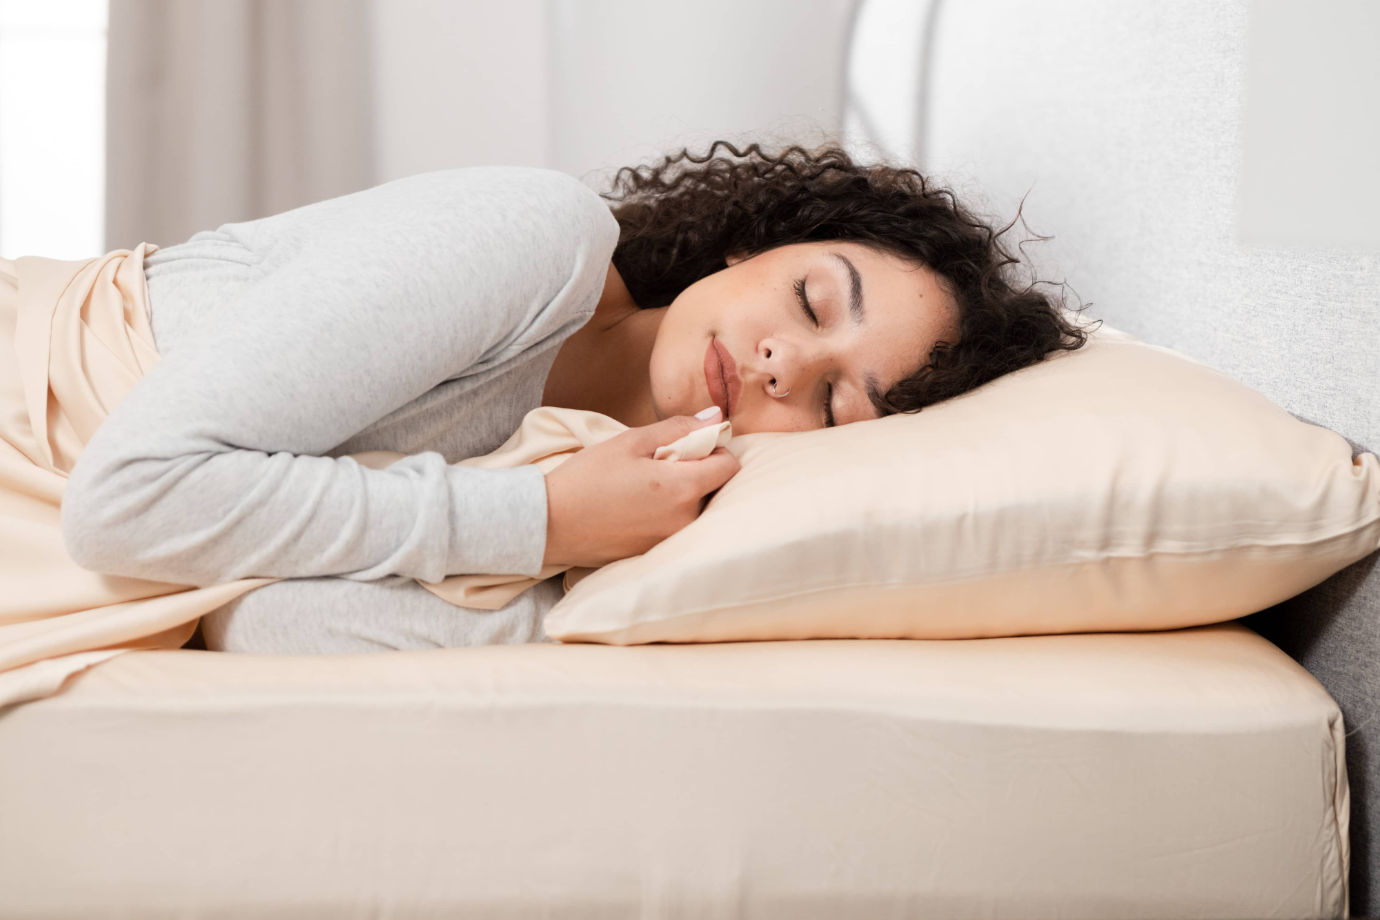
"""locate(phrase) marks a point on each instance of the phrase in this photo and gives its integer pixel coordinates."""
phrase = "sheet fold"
(75, 338)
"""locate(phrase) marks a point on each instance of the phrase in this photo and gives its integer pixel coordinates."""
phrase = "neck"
(604, 368)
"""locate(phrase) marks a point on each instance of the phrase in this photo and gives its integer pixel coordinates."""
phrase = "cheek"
(777, 415)
(671, 372)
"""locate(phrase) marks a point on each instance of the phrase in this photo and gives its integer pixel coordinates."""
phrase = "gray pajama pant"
(329, 615)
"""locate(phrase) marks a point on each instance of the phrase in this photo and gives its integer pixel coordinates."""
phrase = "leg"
(328, 615)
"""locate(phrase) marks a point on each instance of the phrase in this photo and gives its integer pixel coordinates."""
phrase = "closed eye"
(805, 301)
(829, 388)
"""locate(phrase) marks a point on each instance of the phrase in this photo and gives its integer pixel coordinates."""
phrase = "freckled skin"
(753, 309)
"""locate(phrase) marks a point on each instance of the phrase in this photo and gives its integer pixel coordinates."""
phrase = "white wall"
(1309, 130)
(638, 78)
(460, 84)
(586, 86)
(882, 107)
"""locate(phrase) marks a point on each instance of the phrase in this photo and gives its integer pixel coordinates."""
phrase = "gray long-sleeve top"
(419, 316)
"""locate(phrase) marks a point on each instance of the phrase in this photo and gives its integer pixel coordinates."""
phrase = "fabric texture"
(418, 317)
(79, 337)
(325, 615)
(547, 438)
(1188, 773)
(1121, 486)
(81, 341)
(396, 274)
(338, 616)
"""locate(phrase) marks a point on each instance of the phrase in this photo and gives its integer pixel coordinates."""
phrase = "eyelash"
(810, 314)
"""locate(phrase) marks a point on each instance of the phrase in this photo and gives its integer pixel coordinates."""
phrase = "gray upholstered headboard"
(1121, 124)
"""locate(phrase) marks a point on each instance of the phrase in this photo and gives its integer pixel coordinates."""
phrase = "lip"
(721, 376)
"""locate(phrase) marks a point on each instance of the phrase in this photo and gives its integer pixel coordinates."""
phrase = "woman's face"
(728, 336)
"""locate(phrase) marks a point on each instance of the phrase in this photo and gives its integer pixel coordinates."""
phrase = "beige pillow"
(1122, 486)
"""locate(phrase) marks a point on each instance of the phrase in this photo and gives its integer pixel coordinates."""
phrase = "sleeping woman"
(781, 291)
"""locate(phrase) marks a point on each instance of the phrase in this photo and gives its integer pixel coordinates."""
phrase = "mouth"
(721, 376)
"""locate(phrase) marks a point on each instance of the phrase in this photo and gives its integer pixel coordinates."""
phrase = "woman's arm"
(210, 469)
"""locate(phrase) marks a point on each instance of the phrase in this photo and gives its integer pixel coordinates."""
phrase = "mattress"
(1191, 773)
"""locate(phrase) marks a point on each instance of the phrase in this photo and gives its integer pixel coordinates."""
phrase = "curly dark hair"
(681, 216)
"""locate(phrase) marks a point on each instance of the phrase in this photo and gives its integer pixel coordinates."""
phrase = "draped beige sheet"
(79, 338)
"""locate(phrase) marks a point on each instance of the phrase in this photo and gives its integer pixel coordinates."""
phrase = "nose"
(783, 365)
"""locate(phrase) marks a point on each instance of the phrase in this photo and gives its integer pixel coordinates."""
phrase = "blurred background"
(135, 120)
(147, 120)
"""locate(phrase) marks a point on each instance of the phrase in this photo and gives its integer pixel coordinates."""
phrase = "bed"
(1191, 772)
(1221, 771)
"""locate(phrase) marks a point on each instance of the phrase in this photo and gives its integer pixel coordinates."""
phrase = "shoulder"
(544, 207)
(562, 208)
(552, 189)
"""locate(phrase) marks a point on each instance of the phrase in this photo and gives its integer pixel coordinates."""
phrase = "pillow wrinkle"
(1120, 487)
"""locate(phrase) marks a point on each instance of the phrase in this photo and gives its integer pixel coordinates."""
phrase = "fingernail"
(705, 415)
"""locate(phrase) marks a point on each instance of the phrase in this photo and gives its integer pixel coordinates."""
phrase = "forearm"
(207, 519)
(214, 467)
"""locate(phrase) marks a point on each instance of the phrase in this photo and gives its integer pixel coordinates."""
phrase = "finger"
(650, 437)
(713, 471)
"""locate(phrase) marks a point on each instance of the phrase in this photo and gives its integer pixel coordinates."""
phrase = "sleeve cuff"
(498, 521)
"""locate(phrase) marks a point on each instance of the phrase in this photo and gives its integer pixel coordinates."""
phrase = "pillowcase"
(1122, 486)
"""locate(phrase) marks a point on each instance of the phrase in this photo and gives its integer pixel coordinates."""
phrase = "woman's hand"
(612, 500)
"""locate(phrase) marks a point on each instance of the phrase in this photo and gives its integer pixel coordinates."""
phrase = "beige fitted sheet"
(1193, 773)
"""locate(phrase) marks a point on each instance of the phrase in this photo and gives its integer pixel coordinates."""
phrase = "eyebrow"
(855, 293)
(857, 312)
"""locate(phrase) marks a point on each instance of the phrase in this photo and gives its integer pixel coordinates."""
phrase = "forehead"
(905, 302)
(892, 272)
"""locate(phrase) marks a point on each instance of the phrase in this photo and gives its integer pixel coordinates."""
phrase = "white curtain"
(226, 110)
